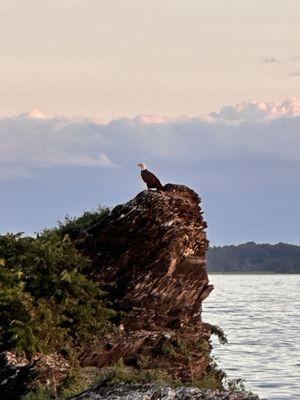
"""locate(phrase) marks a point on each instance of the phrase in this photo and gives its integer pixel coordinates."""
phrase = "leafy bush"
(218, 331)
(41, 393)
(119, 373)
(46, 302)
(72, 226)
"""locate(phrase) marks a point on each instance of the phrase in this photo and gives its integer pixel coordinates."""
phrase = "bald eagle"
(150, 179)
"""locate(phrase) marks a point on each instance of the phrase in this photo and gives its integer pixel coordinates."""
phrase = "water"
(261, 316)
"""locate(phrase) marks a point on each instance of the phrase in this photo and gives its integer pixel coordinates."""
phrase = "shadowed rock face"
(150, 255)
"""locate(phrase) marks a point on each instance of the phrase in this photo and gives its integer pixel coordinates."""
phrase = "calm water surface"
(261, 316)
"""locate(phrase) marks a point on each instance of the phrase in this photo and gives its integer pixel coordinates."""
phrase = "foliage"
(238, 386)
(203, 346)
(207, 382)
(119, 373)
(46, 302)
(218, 331)
(77, 381)
(41, 393)
(251, 257)
(235, 385)
(88, 219)
(176, 348)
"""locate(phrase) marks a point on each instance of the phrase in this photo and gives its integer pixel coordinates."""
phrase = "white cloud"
(152, 119)
(36, 113)
(251, 131)
(258, 110)
(32, 141)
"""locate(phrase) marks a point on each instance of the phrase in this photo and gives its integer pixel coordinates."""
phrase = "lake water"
(261, 316)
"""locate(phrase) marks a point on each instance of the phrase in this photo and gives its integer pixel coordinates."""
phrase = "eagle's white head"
(143, 166)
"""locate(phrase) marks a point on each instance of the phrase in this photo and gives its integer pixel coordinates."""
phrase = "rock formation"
(150, 255)
(154, 392)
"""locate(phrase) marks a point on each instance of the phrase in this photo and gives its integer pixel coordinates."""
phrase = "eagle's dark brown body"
(151, 180)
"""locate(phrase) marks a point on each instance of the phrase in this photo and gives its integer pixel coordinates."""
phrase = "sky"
(115, 58)
(205, 92)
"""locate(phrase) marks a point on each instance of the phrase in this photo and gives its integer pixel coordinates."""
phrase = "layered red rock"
(150, 255)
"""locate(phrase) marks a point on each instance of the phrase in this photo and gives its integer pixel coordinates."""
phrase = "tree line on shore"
(252, 257)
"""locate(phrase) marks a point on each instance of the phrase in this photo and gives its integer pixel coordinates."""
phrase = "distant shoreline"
(253, 258)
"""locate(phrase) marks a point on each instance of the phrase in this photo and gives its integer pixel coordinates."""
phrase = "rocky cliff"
(150, 256)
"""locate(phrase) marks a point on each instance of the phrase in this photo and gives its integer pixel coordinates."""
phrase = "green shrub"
(41, 393)
(46, 301)
(72, 226)
(216, 330)
(119, 373)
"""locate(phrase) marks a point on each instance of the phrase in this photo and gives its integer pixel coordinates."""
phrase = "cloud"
(152, 119)
(36, 113)
(32, 141)
(271, 60)
(257, 111)
(244, 160)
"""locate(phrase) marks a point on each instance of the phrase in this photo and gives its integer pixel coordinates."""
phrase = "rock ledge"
(154, 392)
